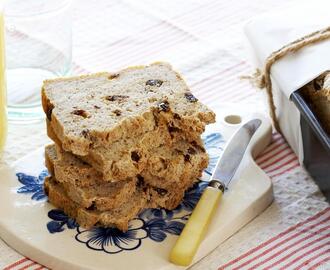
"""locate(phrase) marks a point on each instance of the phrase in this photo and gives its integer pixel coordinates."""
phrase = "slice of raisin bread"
(124, 158)
(97, 194)
(154, 155)
(67, 167)
(99, 109)
(118, 217)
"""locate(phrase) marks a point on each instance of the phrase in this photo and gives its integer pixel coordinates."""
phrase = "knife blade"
(233, 153)
(188, 242)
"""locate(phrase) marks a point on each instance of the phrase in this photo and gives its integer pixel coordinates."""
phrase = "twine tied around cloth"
(263, 80)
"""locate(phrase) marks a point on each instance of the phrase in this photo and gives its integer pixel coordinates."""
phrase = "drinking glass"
(3, 115)
(38, 47)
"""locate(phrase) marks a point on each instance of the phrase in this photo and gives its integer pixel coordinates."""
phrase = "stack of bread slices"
(124, 142)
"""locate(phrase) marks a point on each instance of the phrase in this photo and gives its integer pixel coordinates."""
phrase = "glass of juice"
(38, 47)
(3, 115)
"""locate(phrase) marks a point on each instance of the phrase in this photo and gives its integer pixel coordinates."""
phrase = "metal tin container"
(316, 144)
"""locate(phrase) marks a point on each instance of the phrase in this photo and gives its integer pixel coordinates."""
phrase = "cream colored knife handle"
(195, 229)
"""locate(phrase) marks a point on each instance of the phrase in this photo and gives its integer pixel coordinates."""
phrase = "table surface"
(205, 41)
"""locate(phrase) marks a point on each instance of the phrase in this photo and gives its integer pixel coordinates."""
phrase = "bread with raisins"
(99, 109)
(84, 186)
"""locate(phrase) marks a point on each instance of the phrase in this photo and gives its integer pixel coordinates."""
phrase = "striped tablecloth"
(204, 40)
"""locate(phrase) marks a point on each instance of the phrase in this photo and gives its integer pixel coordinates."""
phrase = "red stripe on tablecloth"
(139, 55)
(226, 21)
(237, 96)
(222, 72)
(276, 158)
(9, 267)
(97, 55)
(221, 96)
(216, 98)
(24, 263)
(316, 248)
(194, 11)
(271, 248)
(276, 148)
(16, 264)
(232, 95)
(279, 236)
(232, 19)
(186, 18)
(294, 244)
(40, 267)
(224, 86)
(275, 141)
(320, 262)
(122, 54)
(212, 12)
(295, 165)
(274, 169)
(27, 266)
(211, 86)
(284, 165)
(279, 147)
(219, 93)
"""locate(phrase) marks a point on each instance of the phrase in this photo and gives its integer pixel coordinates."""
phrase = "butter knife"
(190, 238)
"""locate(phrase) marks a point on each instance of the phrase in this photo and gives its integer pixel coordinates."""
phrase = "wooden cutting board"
(29, 224)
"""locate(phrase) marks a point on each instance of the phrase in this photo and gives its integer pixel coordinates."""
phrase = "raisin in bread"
(118, 217)
(167, 198)
(99, 109)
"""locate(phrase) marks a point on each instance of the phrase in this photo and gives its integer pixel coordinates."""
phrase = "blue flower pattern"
(191, 197)
(112, 240)
(214, 143)
(154, 224)
(59, 220)
(32, 184)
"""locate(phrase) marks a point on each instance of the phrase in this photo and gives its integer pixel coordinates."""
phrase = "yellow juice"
(3, 114)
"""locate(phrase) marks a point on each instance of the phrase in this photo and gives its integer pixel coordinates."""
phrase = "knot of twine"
(262, 79)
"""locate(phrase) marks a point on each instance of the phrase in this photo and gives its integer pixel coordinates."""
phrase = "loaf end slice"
(100, 196)
(118, 218)
(68, 168)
